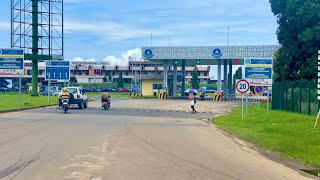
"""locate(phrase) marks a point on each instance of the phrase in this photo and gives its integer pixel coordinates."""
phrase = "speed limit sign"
(242, 86)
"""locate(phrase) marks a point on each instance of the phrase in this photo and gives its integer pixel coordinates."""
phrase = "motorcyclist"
(202, 95)
(105, 97)
(64, 95)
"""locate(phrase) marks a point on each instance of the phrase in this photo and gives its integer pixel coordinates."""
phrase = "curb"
(24, 109)
(157, 110)
(113, 97)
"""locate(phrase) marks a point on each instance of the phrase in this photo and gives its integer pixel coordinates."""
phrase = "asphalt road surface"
(135, 139)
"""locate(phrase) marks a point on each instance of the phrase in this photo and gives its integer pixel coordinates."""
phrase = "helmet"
(64, 89)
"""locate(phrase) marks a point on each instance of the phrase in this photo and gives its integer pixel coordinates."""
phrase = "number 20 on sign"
(242, 86)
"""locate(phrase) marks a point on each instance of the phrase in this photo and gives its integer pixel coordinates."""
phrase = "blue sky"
(107, 29)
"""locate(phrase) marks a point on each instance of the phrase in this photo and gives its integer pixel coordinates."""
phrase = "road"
(135, 139)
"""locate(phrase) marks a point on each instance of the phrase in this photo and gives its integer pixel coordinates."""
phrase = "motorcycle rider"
(64, 95)
(105, 97)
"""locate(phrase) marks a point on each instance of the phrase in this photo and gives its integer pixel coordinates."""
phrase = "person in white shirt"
(193, 104)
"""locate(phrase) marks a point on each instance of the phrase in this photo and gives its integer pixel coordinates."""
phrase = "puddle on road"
(315, 172)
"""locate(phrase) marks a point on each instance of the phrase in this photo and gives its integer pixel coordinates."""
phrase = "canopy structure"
(205, 55)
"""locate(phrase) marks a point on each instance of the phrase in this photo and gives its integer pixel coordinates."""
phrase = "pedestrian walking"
(193, 104)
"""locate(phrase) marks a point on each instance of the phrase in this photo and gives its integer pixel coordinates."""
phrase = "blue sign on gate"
(58, 70)
(258, 68)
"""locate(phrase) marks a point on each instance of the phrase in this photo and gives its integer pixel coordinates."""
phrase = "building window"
(198, 73)
(145, 72)
(29, 72)
(127, 74)
(205, 73)
(156, 86)
(113, 74)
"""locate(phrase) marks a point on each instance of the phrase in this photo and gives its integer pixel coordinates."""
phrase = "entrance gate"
(228, 56)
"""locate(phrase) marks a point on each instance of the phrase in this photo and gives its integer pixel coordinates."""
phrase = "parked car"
(265, 93)
(124, 90)
(210, 90)
(136, 89)
(45, 93)
(56, 92)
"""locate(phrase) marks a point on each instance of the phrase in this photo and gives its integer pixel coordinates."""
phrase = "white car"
(78, 97)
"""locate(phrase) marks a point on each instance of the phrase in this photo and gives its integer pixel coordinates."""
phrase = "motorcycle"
(65, 105)
(105, 105)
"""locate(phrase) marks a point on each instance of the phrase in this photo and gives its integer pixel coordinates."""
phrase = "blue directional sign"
(58, 70)
(258, 68)
(11, 61)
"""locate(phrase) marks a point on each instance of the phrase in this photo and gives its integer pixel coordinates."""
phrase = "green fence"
(295, 97)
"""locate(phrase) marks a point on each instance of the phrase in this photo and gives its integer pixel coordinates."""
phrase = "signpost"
(258, 90)
(258, 71)
(318, 86)
(11, 63)
(243, 86)
(57, 71)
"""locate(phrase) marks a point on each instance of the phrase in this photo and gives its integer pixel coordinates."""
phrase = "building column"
(230, 77)
(183, 77)
(219, 76)
(175, 74)
(165, 74)
(225, 79)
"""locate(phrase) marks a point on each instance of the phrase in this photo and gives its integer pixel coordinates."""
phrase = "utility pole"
(135, 63)
(35, 47)
(228, 36)
(151, 39)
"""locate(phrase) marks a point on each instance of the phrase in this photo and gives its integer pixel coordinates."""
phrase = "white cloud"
(110, 30)
(114, 60)
(124, 59)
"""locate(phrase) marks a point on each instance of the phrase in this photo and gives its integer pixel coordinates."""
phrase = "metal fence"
(295, 97)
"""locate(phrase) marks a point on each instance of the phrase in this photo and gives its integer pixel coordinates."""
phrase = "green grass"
(10, 102)
(291, 135)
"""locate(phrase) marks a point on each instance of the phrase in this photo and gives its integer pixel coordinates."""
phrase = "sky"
(113, 30)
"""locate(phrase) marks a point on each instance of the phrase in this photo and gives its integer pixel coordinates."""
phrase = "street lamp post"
(140, 77)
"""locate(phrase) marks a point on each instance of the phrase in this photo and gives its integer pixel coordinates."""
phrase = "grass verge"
(292, 135)
(10, 102)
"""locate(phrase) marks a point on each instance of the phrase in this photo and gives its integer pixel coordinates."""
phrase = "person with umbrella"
(191, 92)
(193, 104)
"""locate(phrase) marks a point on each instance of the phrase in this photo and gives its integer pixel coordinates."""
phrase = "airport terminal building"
(95, 72)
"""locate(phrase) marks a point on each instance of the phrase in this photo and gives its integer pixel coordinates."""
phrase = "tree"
(120, 83)
(105, 79)
(237, 75)
(195, 80)
(73, 80)
(298, 33)
(24, 81)
(110, 77)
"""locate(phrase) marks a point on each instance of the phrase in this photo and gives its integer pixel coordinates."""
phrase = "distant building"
(96, 73)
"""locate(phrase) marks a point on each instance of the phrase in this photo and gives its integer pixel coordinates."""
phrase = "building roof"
(144, 62)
